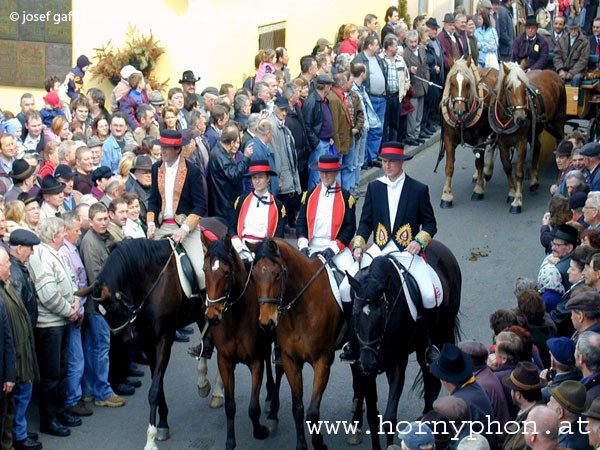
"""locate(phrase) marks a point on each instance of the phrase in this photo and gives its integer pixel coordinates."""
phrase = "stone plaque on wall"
(34, 44)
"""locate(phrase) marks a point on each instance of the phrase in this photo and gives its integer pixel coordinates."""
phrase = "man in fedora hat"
(140, 181)
(568, 402)
(564, 240)
(592, 413)
(506, 30)
(526, 391)
(449, 41)
(572, 53)
(188, 82)
(529, 49)
(177, 202)
(258, 215)
(52, 192)
(23, 176)
(454, 369)
(398, 212)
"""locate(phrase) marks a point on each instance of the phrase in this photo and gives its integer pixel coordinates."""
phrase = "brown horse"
(138, 288)
(464, 108)
(232, 310)
(525, 105)
(296, 299)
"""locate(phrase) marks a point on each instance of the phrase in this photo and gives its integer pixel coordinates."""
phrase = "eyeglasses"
(589, 207)
(558, 244)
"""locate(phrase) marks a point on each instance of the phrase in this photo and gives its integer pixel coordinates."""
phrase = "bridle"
(225, 298)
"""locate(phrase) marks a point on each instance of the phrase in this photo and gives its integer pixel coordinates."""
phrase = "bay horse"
(525, 105)
(464, 104)
(139, 287)
(296, 300)
(387, 333)
(232, 311)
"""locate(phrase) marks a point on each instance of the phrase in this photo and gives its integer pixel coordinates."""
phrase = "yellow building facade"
(217, 39)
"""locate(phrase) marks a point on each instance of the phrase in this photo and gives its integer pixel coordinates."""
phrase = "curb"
(372, 173)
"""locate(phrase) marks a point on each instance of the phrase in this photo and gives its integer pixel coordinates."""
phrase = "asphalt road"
(492, 246)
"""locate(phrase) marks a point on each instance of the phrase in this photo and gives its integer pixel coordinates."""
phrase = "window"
(271, 36)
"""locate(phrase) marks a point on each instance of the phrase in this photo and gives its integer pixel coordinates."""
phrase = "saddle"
(185, 270)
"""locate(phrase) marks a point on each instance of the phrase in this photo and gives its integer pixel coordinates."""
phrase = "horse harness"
(227, 303)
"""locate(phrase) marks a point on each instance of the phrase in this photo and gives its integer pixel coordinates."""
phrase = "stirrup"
(347, 354)
(431, 354)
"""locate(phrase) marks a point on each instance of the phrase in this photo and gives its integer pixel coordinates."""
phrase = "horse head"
(115, 306)
(269, 275)
(513, 92)
(370, 312)
(219, 270)
(462, 89)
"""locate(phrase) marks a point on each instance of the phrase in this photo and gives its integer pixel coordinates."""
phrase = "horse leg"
(488, 158)
(534, 184)
(293, 372)
(203, 383)
(260, 431)
(507, 166)
(431, 385)
(447, 197)
(395, 378)
(355, 438)
(163, 411)
(479, 188)
(227, 369)
(321, 377)
(159, 365)
(516, 205)
(372, 411)
(272, 419)
(218, 397)
(270, 382)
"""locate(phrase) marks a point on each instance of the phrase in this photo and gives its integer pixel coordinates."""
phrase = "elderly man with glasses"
(564, 241)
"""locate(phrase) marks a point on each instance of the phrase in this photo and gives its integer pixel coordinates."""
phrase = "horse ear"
(450, 61)
(272, 246)
(505, 68)
(523, 64)
(353, 282)
(469, 61)
(227, 242)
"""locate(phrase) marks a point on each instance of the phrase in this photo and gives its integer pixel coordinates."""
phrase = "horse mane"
(130, 261)
(461, 66)
(377, 278)
(217, 250)
(516, 76)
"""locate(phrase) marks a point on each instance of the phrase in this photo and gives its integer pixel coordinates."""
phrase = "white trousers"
(192, 245)
(415, 265)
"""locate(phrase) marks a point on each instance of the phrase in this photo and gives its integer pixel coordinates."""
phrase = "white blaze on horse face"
(366, 310)
(459, 81)
(215, 265)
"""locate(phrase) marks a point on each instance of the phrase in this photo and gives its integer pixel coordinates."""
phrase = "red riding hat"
(393, 150)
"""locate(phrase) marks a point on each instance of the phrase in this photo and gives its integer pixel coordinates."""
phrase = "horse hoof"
(445, 204)
(354, 438)
(261, 432)
(163, 434)
(204, 391)
(515, 210)
(510, 199)
(533, 188)
(272, 425)
(217, 402)
(476, 197)
(267, 406)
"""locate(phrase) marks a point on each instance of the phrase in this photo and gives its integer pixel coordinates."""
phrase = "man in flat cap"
(571, 53)
(591, 159)
(568, 402)
(592, 413)
(585, 312)
(587, 358)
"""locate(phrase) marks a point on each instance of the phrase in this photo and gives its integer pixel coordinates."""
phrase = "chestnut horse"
(139, 288)
(464, 110)
(232, 311)
(295, 299)
(526, 104)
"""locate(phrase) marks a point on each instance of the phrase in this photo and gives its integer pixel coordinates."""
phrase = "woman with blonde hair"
(170, 117)
(126, 164)
(350, 43)
(14, 213)
(58, 130)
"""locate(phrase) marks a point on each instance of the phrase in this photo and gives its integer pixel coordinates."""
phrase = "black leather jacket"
(313, 118)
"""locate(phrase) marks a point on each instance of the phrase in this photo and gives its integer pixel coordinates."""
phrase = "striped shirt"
(392, 74)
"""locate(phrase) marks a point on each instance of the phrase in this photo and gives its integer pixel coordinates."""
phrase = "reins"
(225, 297)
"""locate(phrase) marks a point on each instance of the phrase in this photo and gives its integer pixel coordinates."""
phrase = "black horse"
(138, 288)
(387, 333)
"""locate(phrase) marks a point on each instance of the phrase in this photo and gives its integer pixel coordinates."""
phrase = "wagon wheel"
(593, 130)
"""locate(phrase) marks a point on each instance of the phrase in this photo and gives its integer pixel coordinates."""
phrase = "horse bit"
(209, 301)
